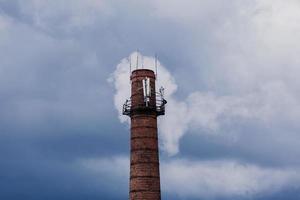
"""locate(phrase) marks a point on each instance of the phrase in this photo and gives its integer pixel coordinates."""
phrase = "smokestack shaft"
(144, 159)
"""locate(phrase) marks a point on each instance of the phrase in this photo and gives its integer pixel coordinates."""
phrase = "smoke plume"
(205, 112)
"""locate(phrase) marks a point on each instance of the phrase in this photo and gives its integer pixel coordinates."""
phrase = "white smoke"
(204, 111)
(121, 79)
(173, 125)
(207, 112)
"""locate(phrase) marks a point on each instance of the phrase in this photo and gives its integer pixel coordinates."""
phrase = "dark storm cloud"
(45, 166)
(55, 109)
(56, 104)
(247, 149)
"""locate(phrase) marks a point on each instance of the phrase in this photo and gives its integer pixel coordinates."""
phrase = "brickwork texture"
(144, 157)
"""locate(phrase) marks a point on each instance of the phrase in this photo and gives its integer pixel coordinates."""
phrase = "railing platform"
(159, 107)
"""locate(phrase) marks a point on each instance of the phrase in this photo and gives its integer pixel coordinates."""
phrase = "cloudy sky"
(230, 70)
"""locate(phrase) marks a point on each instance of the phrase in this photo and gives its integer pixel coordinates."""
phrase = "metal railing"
(127, 107)
(159, 105)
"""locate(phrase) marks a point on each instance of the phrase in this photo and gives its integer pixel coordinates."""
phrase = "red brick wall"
(144, 158)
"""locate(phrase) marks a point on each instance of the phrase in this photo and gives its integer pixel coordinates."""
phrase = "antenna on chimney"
(142, 58)
(156, 66)
(130, 63)
(146, 90)
(137, 59)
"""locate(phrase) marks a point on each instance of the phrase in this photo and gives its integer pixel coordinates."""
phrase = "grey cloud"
(56, 104)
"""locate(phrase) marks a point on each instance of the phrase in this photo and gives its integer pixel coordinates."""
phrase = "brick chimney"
(143, 108)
